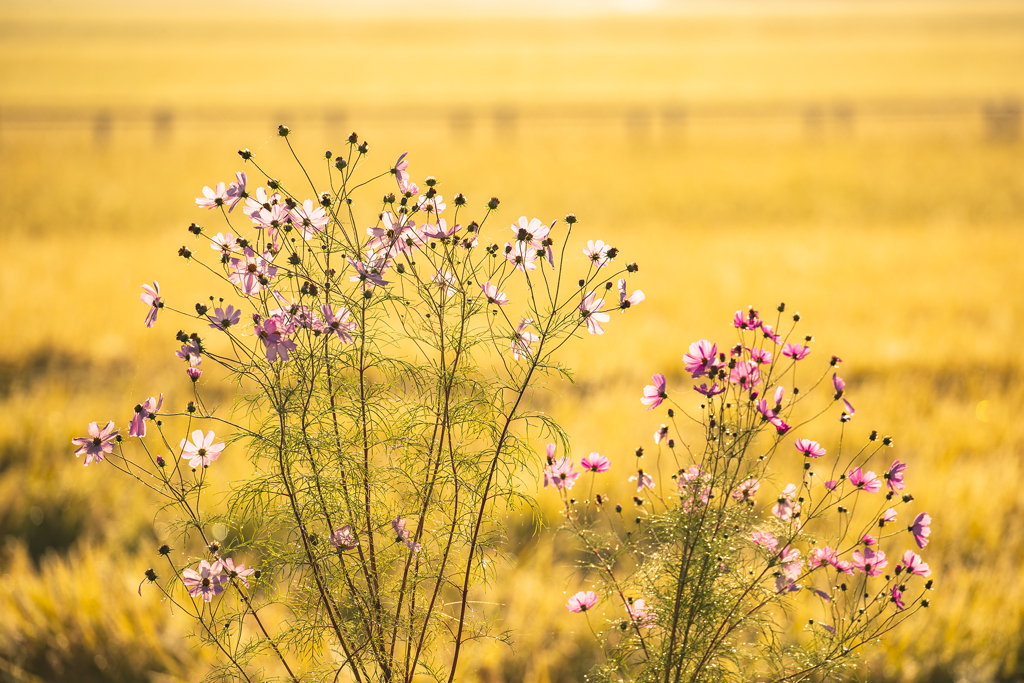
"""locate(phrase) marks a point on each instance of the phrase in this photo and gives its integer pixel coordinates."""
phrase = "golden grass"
(901, 251)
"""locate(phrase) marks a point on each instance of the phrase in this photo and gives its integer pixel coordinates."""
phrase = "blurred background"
(860, 161)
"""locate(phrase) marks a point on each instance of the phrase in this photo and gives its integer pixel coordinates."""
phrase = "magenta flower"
(780, 393)
(596, 462)
(746, 321)
(251, 273)
(597, 252)
(761, 356)
(766, 330)
(559, 472)
(849, 408)
(493, 295)
(222, 318)
(224, 243)
(765, 539)
(369, 274)
(654, 394)
(746, 374)
(404, 535)
(206, 582)
(713, 390)
(522, 339)
(274, 219)
(839, 385)
(639, 613)
(589, 309)
(746, 491)
(401, 170)
(897, 598)
(191, 352)
(913, 564)
(894, 477)
(887, 517)
(274, 335)
(151, 297)
(338, 323)
(201, 451)
(822, 556)
(311, 219)
(810, 449)
(236, 191)
(643, 481)
(343, 538)
(868, 539)
(137, 427)
(921, 528)
(581, 602)
(871, 562)
(660, 434)
(194, 374)
(99, 442)
(631, 300)
(213, 197)
(701, 358)
(866, 481)
(795, 351)
(770, 417)
(787, 507)
(227, 565)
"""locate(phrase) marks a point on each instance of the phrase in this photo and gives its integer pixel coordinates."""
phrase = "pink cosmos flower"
(274, 219)
(222, 318)
(206, 582)
(440, 231)
(713, 390)
(822, 556)
(224, 243)
(765, 539)
(746, 374)
(693, 488)
(338, 323)
(894, 477)
(871, 562)
(839, 385)
(631, 300)
(532, 232)
(643, 481)
(897, 598)
(433, 204)
(343, 538)
(596, 463)
(251, 273)
(660, 434)
(921, 528)
(227, 565)
(746, 321)
(770, 417)
(212, 198)
(493, 295)
(913, 563)
(866, 481)
(395, 236)
(766, 330)
(148, 408)
(654, 394)
(887, 517)
(310, 218)
(787, 508)
(446, 281)
(201, 450)
(521, 255)
(780, 393)
(522, 339)
(369, 273)
(761, 356)
(868, 539)
(191, 352)
(849, 408)
(831, 484)
(582, 601)
(746, 491)
(559, 473)
(262, 201)
(589, 309)
(811, 449)
(151, 297)
(236, 190)
(97, 444)
(401, 169)
(194, 374)
(597, 252)
(639, 613)
(795, 351)
(399, 525)
(701, 358)
(274, 335)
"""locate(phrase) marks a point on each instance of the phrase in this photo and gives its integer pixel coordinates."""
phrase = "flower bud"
(340, 163)
(201, 309)
(245, 154)
(364, 147)
(492, 203)
(273, 184)
(571, 219)
(460, 199)
(283, 131)
(185, 253)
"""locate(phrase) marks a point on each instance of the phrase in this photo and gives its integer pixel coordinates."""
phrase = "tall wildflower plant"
(384, 352)
(700, 577)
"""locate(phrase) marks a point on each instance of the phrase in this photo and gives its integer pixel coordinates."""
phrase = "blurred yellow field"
(842, 158)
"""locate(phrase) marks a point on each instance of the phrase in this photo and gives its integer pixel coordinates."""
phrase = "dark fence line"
(998, 119)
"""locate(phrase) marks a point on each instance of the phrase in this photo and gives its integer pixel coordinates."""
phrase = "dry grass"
(900, 250)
